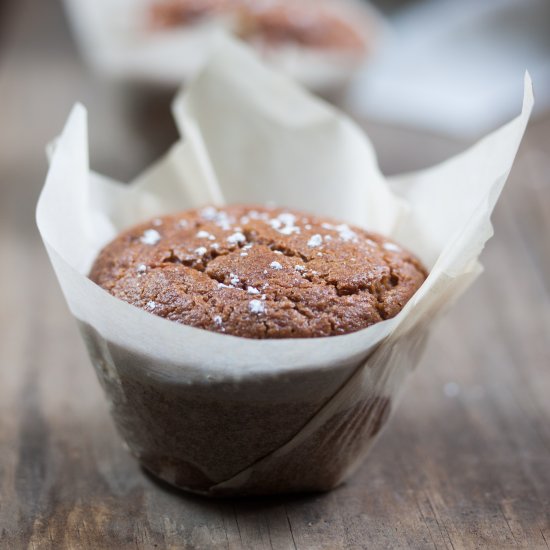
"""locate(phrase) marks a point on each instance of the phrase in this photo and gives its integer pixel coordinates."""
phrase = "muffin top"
(259, 272)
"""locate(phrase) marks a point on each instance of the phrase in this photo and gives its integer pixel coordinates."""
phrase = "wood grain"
(465, 461)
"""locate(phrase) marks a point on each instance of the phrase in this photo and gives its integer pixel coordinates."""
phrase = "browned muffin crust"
(259, 272)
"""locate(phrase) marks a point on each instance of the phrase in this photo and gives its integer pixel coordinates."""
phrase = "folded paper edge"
(527, 105)
(74, 131)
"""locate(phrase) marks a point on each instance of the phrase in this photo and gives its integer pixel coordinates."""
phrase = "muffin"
(272, 23)
(259, 272)
(232, 415)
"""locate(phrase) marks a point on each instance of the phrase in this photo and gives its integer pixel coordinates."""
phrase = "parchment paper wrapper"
(116, 38)
(223, 415)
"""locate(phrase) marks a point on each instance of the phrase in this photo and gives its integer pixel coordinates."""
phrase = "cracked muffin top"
(259, 272)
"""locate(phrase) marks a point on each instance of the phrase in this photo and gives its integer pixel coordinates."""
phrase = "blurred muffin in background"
(322, 25)
(320, 43)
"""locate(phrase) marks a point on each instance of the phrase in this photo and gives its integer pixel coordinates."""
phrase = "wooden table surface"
(465, 460)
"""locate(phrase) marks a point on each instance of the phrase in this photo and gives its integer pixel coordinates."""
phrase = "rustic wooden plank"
(464, 462)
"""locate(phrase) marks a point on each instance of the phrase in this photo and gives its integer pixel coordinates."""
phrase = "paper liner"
(219, 414)
(115, 38)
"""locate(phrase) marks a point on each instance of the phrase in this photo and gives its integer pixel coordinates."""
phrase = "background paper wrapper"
(224, 415)
(116, 38)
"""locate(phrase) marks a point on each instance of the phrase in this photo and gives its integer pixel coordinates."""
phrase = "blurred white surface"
(457, 67)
